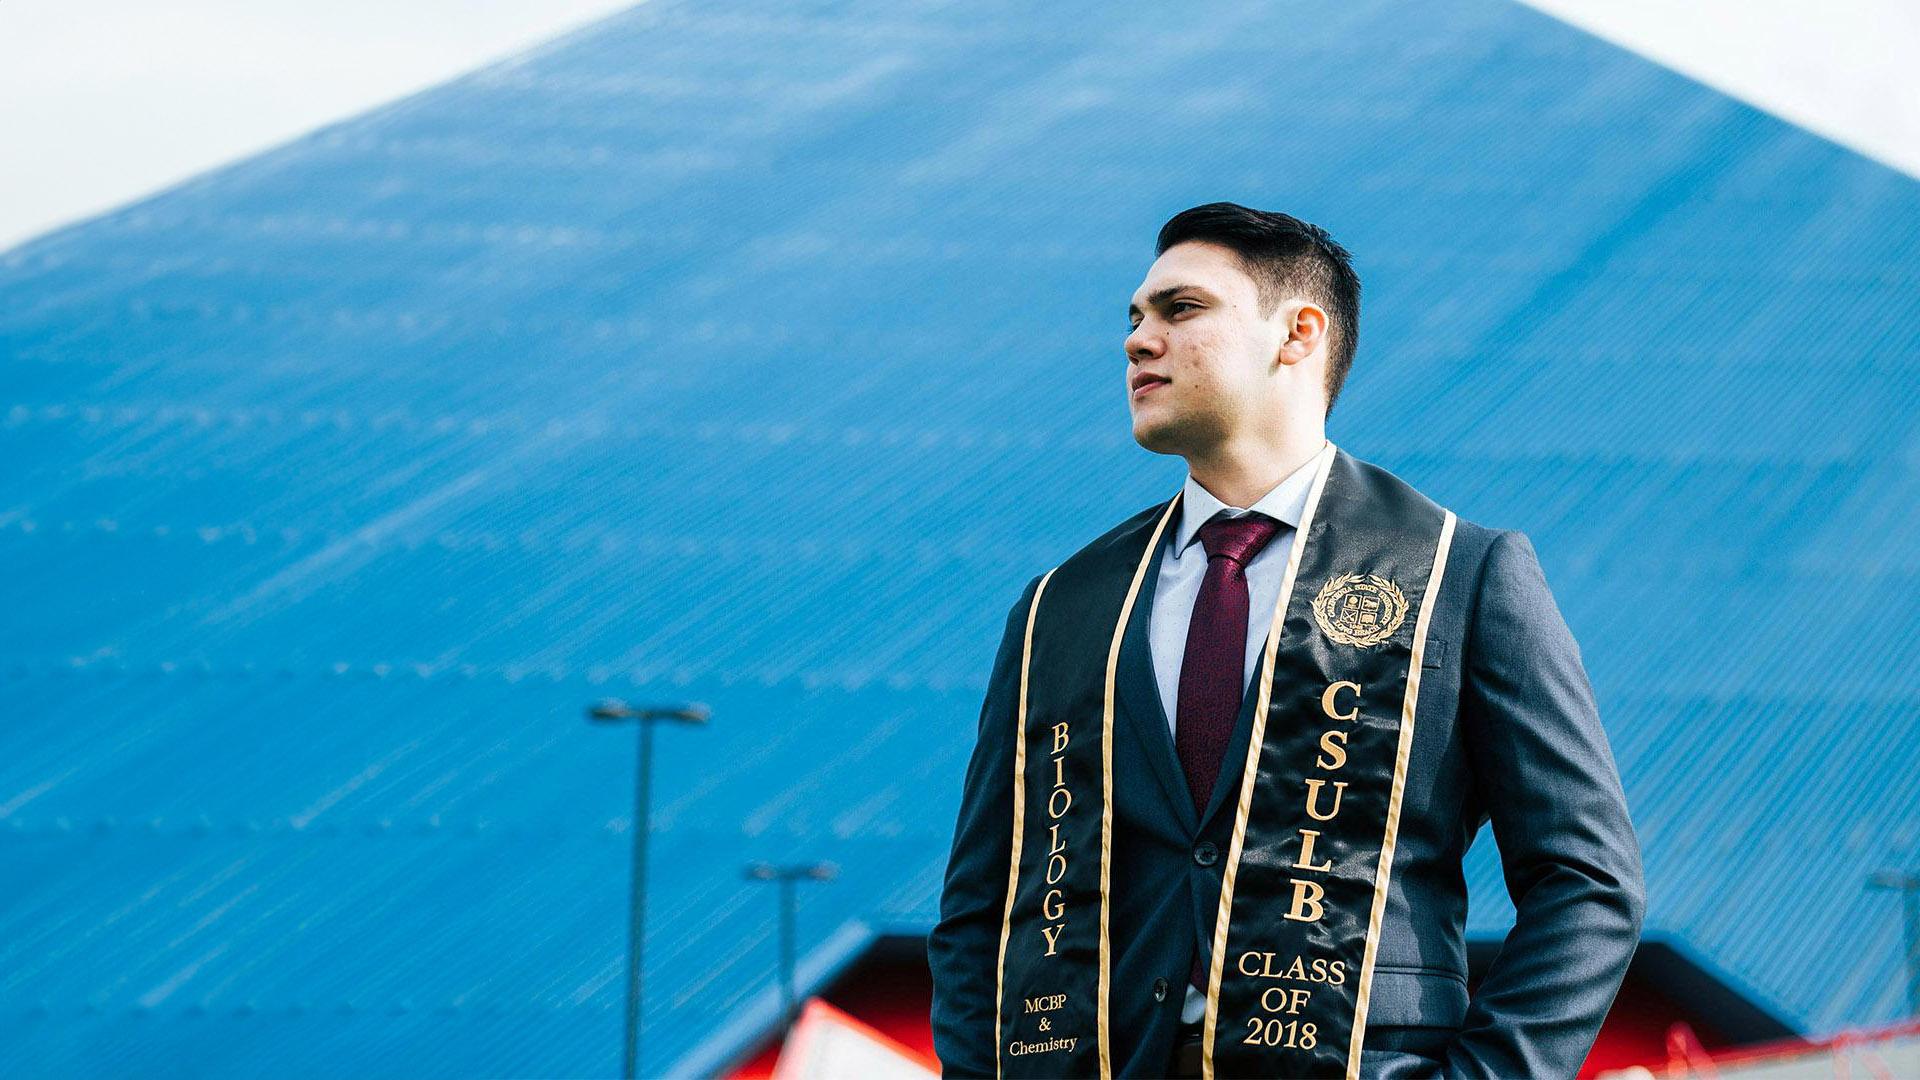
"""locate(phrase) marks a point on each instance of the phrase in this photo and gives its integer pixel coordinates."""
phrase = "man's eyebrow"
(1161, 296)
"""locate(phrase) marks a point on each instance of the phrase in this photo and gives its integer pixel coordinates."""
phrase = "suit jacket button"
(1159, 989)
(1205, 853)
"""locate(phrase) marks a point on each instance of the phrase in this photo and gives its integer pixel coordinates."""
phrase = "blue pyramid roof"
(758, 356)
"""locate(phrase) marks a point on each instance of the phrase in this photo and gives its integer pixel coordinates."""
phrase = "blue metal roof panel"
(760, 357)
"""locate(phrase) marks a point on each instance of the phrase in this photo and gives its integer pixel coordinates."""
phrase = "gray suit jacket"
(1506, 731)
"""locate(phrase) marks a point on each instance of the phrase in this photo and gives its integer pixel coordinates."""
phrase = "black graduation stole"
(1305, 880)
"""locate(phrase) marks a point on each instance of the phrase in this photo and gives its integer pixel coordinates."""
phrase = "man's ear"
(1306, 327)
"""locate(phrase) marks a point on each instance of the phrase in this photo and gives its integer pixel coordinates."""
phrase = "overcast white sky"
(104, 101)
(109, 100)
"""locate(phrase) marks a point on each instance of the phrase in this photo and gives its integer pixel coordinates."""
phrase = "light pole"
(785, 877)
(1909, 886)
(614, 712)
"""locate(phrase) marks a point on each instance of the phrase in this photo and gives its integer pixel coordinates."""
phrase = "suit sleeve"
(1567, 847)
(963, 950)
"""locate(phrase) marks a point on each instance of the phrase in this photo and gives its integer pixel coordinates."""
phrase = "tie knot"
(1238, 538)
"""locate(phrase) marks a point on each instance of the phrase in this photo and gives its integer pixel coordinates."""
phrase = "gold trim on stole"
(1106, 770)
(1106, 788)
(1217, 965)
(1019, 817)
(1385, 871)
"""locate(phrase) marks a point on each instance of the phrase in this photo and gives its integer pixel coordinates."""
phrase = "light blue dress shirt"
(1183, 563)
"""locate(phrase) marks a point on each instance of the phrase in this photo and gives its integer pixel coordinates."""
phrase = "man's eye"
(1178, 304)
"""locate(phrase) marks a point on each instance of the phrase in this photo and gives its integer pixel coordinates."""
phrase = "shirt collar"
(1287, 502)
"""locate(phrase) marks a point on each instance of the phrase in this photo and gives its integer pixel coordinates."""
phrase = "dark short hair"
(1285, 257)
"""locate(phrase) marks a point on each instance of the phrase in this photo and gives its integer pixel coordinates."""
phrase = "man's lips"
(1144, 384)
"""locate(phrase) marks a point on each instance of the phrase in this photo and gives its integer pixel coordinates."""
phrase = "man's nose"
(1143, 343)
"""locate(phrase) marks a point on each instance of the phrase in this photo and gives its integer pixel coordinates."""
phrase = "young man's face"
(1200, 359)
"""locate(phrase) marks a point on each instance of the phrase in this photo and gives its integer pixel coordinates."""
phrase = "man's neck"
(1241, 475)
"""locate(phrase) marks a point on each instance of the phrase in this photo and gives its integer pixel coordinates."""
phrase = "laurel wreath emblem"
(1349, 631)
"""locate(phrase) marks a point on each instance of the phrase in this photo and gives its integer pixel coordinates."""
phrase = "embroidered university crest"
(1359, 609)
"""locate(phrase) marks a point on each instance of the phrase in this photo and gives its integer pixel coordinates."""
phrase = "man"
(1233, 750)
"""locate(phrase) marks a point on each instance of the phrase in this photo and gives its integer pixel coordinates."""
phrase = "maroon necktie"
(1213, 674)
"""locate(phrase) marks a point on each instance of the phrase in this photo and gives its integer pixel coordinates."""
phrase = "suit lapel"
(1139, 700)
(1139, 694)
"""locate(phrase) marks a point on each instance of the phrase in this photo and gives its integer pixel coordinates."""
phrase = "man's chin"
(1159, 438)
